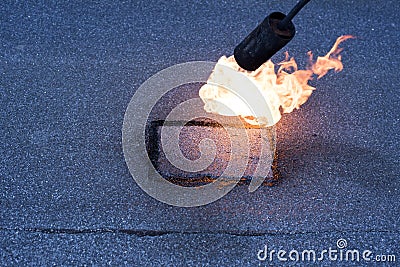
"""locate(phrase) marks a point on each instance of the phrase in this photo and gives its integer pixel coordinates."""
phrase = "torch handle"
(283, 24)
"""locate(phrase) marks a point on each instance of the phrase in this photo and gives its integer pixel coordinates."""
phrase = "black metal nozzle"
(263, 42)
(269, 37)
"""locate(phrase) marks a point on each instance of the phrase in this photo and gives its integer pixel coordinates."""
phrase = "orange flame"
(288, 88)
(332, 60)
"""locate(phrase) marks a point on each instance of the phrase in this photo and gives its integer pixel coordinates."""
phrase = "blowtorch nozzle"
(266, 39)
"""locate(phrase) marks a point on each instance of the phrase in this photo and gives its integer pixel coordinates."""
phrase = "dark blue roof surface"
(67, 74)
